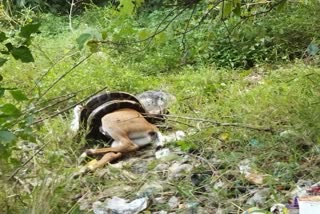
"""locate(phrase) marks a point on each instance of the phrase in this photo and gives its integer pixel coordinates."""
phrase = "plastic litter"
(118, 205)
(279, 209)
(162, 153)
(251, 175)
(309, 204)
(174, 136)
(259, 197)
(177, 170)
(254, 210)
(173, 202)
(306, 200)
(150, 189)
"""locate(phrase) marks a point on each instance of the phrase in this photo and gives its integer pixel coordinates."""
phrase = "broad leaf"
(2, 90)
(2, 61)
(3, 36)
(93, 46)
(143, 34)
(227, 8)
(22, 53)
(6, 136)
(29, 29)
(18, 95)
(9, 46)
(126, 7)
(10, 110)
(237, 9)
(281, 5)
(82, 39)
(104, 34)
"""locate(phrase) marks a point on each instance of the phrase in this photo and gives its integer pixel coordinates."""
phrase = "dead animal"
(118, 118)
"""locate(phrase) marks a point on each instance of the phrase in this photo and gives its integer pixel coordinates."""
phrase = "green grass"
(286, 98)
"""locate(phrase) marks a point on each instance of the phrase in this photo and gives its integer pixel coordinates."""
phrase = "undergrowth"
(282, 98)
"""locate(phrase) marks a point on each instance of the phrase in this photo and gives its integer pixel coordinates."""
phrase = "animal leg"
(104, 160)
(125, 146)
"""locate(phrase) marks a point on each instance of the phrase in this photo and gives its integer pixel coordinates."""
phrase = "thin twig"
(56, 103)
(62, 96)
(64, 75)
(204, 17)
(27, 161)
(55, 63)
(184, 35)
(72, 4)
(155, 33)
(216, 123)
(202, 159)
(66, 109)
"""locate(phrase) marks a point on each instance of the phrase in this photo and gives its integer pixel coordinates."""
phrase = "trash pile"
(157, 172)
(305, 200)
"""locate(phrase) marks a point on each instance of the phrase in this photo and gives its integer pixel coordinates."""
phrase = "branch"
(72, 4)
(66, 109)
(55, 63)
(216, 123)
(64, 75)
(27, 161)
(184, 38)
(155, 33)
(70, 96)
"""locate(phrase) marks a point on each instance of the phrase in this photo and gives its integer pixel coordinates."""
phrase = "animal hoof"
(82, 171)
(89, 152)
(82, 157)
(91, 166)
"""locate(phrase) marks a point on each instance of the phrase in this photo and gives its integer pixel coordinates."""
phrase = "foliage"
(13, 121)
(134, 49)
(234, 42)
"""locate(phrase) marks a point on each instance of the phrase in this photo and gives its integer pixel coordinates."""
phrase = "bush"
(276, 36)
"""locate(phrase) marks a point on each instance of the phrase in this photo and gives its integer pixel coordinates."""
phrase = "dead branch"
(66, 109)
(64, 75)
(27, 161)
(216, 123)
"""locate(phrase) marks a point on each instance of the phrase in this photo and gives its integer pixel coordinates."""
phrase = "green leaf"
(143, 34)
(281, 5)
(6, 136)
(9, 46)
(161, 38)
(18, 95)
(2, 61)
(82, 39)
(227, 8)
(29, 29)
(126, 7)
(2, 90)
(93, 46)
(22, 53)
(10, 110)
(237, 9)
(104, 34)
(3, 36)
(185, 146)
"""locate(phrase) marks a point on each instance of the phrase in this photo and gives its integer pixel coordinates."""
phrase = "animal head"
(156, 102)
